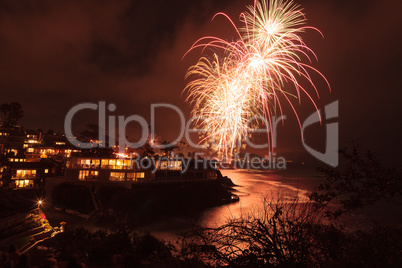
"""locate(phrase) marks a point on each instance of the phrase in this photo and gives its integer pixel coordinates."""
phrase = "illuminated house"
(32, 139)
(12, 140)
(127, 170)
(53, 146)
(104, 169)
(34, 145)
(24, 175)
(56, 152)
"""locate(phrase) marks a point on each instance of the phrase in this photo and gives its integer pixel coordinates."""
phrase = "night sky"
(56, 54)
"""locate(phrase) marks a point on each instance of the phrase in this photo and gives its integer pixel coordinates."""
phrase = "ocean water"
(252, 187)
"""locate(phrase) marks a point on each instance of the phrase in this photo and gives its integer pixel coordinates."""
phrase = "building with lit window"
(12, 139)
(104, 169)
(25, 175)
(182, 170)
(128, 170)
(15, 140)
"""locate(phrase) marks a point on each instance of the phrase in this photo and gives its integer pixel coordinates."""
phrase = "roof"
(31, 132)
(29, 165)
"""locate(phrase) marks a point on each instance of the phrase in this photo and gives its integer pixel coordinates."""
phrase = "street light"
(39, 203)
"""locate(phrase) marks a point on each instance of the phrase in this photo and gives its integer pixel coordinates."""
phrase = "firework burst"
(256, 72)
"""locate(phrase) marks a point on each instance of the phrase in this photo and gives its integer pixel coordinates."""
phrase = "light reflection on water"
(252, 186)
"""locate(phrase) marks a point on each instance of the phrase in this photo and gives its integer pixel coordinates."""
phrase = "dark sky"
(56, 54)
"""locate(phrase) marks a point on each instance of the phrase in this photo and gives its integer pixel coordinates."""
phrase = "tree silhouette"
(11, 113)
(361, 181)
(90, 133)
(5, 109)
(48, 138)
(167, 148)
(147, 149)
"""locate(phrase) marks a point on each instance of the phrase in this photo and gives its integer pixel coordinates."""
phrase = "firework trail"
(256, 72)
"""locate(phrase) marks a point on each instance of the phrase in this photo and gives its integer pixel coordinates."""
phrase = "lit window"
(20, 173)
(162, 164)
(176, 165)
(23, 183)
(127, 163)
(85, 162)
(46, 171)
(112, 163)
(105, 163)
(83, 174)
(95, 162)
(134, 176)
(117, 176)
